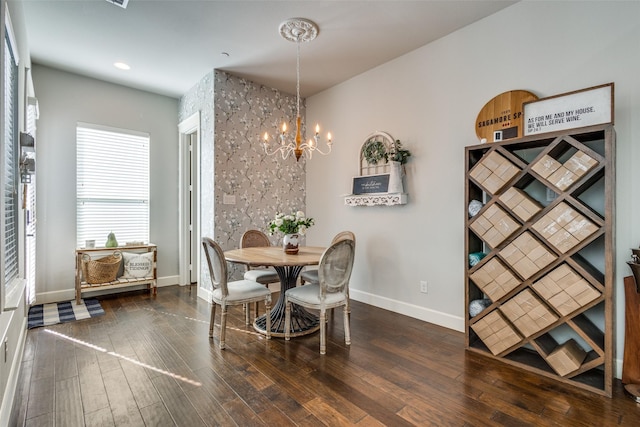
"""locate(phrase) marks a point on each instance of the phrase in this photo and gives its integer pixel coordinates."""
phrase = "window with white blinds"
(30, 261)
(112, 185)
(10, 164)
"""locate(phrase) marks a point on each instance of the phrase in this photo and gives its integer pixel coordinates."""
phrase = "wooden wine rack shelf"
(546, 229)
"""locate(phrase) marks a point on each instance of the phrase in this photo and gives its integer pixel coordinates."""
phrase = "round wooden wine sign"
(501, 118)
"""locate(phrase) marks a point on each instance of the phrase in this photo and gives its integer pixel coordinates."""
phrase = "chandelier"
(297, 30)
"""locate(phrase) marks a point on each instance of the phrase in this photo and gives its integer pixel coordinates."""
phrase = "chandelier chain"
(297, 30)
(298, 79)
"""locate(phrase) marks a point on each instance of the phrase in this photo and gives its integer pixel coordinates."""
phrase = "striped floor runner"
(50, 314)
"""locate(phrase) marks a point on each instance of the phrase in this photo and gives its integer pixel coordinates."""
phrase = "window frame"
(11, 290)
(98, 200)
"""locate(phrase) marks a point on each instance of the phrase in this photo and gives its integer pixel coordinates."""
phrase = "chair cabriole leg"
(323, 331)
(347, 327)
(223, 326)
(267, 307)
(213, 315)
(287, 319)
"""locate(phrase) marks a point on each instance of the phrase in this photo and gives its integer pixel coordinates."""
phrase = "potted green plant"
(292, 226)
(400, 155)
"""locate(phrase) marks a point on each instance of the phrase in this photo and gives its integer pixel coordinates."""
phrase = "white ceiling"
(171, 44)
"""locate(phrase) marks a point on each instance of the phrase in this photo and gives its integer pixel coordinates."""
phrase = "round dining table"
(288, 267)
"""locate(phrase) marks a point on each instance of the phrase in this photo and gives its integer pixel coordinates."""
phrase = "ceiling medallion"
(298, 30)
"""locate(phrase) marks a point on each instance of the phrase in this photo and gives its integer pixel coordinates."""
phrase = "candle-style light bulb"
(317, 128)
(329, 136)
(266, 137)
(284, 127)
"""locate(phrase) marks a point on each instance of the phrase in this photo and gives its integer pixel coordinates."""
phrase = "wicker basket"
(102, 270)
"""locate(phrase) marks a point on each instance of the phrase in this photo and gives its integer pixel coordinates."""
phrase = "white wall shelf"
(386, 199)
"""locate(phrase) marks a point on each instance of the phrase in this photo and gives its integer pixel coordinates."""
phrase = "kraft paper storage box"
(481, 225)
(496, 333)
(546, 166)
(494, 279)
(563, 178)
(480, 173)
(526, 255)
(546, 226)
(528, 313)
(565, 290)
(523, 206)
(500, 171)
(494, 225)
(580, 163)
(563, 175)
(563, 214)
(582, 228)
(563, 241)
(566, 358)
(493, 183)
(511, 254)
(564, 227)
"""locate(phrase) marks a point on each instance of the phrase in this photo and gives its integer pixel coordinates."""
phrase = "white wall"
(429, 99)
(66, 99)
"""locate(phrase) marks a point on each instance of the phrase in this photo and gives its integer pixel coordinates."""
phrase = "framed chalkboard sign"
(371, 184)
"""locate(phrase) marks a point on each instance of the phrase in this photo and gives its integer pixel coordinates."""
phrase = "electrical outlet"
(423, 286)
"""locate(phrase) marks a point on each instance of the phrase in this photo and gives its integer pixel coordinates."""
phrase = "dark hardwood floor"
(149, 361)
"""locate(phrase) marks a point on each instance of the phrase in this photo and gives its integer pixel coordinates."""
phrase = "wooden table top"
(275, 256)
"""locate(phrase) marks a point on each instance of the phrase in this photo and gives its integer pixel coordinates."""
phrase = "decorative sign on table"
(501, 118)
(371, 184)
(586, 107)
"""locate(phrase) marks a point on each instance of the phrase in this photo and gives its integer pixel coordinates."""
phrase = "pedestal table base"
(302, 321)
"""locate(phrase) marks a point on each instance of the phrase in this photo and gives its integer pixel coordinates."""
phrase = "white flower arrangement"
(289, 224)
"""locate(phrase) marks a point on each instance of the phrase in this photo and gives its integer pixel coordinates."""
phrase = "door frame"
(189, 171)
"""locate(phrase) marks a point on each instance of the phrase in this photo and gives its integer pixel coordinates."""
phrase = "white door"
(193, 237)
(189, 131)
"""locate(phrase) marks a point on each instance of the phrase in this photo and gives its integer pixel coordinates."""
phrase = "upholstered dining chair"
(332, 290)
(265, 276)
(226, 293)
(311, 275)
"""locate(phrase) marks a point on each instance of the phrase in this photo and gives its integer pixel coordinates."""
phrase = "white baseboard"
(436, 317)
(428, 315)
(55, 296)
(69, 294)
(204, 294)
(168, 281)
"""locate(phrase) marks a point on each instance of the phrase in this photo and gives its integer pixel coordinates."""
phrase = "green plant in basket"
(296, 222)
